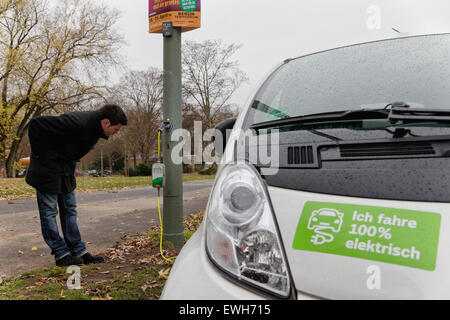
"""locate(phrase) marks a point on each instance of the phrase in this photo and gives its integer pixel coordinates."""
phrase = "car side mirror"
(223, 129)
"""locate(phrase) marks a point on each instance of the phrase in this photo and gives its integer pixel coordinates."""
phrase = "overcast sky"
(273, 30)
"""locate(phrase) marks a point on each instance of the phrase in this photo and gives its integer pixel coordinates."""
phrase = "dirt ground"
(133, 270)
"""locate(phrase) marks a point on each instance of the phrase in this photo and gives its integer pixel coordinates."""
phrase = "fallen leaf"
(34, 248)
(62, 294)
(143, 288)
(21, 252)
(101, 298)
(153, 284)
(164, 273)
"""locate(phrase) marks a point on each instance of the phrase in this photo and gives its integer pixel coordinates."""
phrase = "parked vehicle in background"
(22, 172)
(106, 173)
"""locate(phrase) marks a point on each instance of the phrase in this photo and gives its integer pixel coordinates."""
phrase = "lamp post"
(171, 18)
(173, 189)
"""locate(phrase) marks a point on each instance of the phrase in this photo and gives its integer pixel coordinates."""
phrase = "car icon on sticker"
(324, 221)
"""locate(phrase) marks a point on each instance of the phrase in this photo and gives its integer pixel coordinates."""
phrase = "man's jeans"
(48, 203)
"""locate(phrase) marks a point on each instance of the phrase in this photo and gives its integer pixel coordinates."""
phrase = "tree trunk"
(9, 165)
(2, 160)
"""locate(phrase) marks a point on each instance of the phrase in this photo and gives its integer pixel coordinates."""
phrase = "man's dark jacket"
(57, 143)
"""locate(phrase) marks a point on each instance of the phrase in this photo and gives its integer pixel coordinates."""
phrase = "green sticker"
(157, 182)
(398, 236)
(188, 5)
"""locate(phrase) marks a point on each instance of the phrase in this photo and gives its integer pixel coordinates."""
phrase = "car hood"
(360, 163)
(360, 248)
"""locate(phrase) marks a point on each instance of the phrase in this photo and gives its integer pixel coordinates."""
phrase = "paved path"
(104, 217)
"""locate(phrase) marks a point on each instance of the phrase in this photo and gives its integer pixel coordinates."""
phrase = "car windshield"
(413, 70)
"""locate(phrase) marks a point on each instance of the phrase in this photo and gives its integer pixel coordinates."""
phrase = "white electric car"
(335, 182)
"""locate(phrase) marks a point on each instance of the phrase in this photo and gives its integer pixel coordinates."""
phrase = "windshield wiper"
(413, 115)
(327, 116)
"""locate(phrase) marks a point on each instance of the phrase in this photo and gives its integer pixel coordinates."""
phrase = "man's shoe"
(69, 260)
(87, 258)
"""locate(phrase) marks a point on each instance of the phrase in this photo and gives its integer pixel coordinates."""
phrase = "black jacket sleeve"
(54, 125)
(48, 130)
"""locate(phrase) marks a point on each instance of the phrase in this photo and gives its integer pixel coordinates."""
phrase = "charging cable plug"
(165, 126)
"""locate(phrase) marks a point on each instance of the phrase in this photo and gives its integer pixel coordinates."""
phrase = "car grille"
(300, 155)
(386, 149)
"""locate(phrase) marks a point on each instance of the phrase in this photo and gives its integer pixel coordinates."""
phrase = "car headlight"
(241, 234)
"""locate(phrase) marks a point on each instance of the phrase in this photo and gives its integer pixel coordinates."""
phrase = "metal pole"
(173, 188)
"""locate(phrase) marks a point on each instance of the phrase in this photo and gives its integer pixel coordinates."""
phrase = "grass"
(10, 188)
(36, 284)
(129, 286)
(133, 270)
(16, 188)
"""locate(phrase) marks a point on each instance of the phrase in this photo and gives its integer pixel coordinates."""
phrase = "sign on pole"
(182, 13)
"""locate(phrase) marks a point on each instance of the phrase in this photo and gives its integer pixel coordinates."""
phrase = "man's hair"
(113, 113)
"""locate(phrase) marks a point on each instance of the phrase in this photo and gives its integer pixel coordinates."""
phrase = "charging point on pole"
(158, 179)
(158, 171)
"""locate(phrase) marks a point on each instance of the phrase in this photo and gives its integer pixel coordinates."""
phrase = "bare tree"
(52, 57)
(210, 77)
(141, 94)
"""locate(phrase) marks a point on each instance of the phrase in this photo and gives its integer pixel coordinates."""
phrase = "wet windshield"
(414, 70)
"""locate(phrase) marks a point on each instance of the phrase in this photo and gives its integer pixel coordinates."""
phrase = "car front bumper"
(195, 277)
